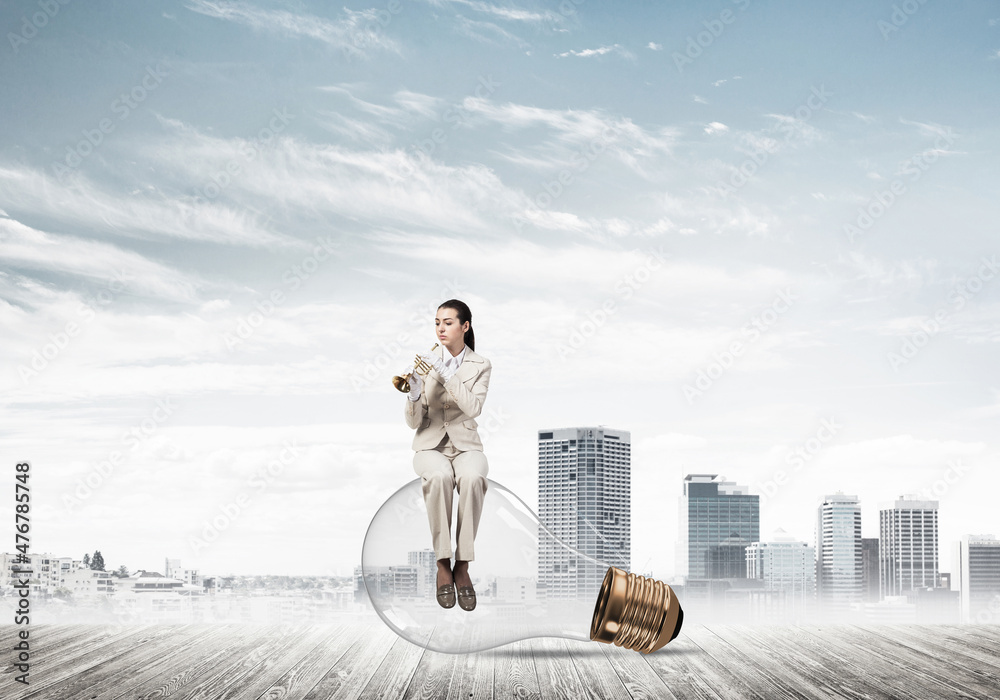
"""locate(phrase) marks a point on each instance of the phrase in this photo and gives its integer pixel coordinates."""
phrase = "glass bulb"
(572, 595)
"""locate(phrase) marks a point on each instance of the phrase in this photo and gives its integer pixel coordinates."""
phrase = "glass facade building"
(718, 521)
(584, 499)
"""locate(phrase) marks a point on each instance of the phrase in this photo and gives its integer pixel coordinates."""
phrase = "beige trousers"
(441, 470)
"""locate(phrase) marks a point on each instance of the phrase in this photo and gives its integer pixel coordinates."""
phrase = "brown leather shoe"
(467, 597)
(446, 595)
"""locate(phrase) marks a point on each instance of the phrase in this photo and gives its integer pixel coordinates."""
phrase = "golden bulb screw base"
(635, 612)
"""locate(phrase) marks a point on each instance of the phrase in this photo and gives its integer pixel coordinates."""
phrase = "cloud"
(358, 130)
(716, 128)
(408, 103)
(26, 247)
(409, 108)
(513, 14)
(149, 213)
(931, 129)
(792, 126)
(355, 32)
(601, 51)
(653, 46)
(576, 130)
(488, 33)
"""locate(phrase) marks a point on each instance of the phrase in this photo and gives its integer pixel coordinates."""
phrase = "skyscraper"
(978, 578)
(908, 546)
(718, 520)
(584, 498)
(838, 551)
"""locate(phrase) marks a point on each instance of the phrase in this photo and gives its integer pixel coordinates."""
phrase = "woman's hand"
(437, 363)
(416, 386)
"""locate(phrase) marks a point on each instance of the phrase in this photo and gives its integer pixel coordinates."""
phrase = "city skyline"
(795, 529)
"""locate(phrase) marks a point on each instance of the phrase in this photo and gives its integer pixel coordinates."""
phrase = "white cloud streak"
(354, 32)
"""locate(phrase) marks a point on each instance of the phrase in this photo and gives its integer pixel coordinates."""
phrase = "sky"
(759, 236)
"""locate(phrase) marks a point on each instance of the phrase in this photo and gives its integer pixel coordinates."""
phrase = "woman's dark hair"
(464, 314)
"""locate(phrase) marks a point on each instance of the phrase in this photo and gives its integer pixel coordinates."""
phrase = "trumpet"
(421, 367)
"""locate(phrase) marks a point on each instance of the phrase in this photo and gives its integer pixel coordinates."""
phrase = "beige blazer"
(451, 408)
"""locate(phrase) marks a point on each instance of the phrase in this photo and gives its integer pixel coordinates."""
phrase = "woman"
(448, 452)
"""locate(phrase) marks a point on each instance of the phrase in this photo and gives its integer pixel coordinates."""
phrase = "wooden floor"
(87, 662)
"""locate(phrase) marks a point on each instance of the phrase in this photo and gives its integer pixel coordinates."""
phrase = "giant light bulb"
(541, 585)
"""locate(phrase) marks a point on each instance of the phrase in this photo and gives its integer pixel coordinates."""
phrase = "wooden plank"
(281, 657)
(810, 675)
(272, 642)
(595, 671)
(432, 676)
(634, 671)
(893, 675)
(932, 659)
(473, 676)
(65, 646)
(346, 678)
(514, 674)
(50, 641)
(50, 671)
(106, 679)
(954, 647)
(51, 633)
(557, 675)
(394, 675)
(986, 637)
(690, 673)
(786, 652)
(193, 665)
(300, 678)
(753, 677)
(341, 662)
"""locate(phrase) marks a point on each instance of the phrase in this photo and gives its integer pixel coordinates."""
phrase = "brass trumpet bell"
(420, 367)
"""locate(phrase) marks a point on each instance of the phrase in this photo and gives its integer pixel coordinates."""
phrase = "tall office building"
(978, 578)
(718, 521)
(784, 564)
(584, 498)
(908, 546)
(839, 572)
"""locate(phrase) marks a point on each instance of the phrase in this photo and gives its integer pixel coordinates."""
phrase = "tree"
(122, 572)
(86, 561)
(97, 562)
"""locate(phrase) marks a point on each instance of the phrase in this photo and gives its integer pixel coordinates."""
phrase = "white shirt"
(453, 361)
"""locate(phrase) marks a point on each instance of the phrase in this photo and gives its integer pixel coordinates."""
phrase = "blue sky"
(248, 212)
